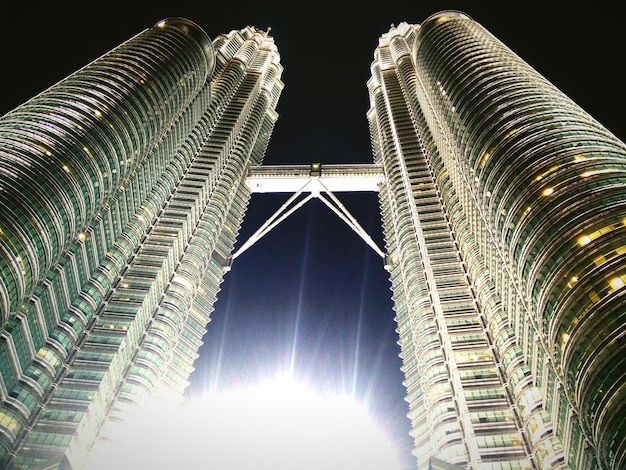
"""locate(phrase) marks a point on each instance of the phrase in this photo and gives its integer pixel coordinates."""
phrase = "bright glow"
(547, 191)
(546, 173)
(584, 240)
(616, 282)
(573, 280)
(277, 425)
(589, 173)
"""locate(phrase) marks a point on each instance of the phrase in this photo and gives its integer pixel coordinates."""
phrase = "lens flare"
(277, 424)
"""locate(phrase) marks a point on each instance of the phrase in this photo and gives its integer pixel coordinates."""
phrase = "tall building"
(123, 188)
(503, 209)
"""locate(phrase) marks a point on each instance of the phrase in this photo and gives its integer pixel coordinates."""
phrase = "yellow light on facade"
(483, 159)
(565, 337)
(582, 241)
(82, 236)
(66, 168)
(546, 173)
(589, 173)
(572, 281)
(616, 282)
(547, 191)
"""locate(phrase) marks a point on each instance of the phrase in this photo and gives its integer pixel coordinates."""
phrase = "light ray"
(222, 341)
(303, 283)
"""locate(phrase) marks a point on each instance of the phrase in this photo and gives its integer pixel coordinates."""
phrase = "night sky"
(311, 296)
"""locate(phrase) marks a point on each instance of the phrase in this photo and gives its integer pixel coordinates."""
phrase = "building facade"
(503, 209)
(122, 192)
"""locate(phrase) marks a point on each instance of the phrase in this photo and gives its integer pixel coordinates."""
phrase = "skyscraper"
(504, 219)
(123, 187)
(122, 191)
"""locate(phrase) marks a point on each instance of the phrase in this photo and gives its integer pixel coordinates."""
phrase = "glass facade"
(122, 194)
(504, 220)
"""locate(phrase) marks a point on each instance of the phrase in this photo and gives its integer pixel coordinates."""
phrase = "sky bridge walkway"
(305, 182)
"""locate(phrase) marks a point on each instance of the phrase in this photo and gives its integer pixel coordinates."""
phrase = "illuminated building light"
(585, 239)
(617, 282)
(546, 173)
(587, 174)
(485, 156)
(599, 261)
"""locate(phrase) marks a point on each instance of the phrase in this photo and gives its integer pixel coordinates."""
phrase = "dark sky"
(312, 285)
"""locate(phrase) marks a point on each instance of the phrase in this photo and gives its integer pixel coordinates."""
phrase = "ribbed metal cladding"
(541, 185)
(460, 409)
(79, 162)
(65, 153)
(116, 321)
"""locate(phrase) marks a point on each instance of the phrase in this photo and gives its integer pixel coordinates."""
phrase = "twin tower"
(503, 206)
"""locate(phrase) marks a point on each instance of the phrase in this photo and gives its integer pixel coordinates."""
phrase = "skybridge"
(305, 182)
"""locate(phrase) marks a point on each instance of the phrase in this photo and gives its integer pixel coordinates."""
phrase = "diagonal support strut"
(317, 189)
